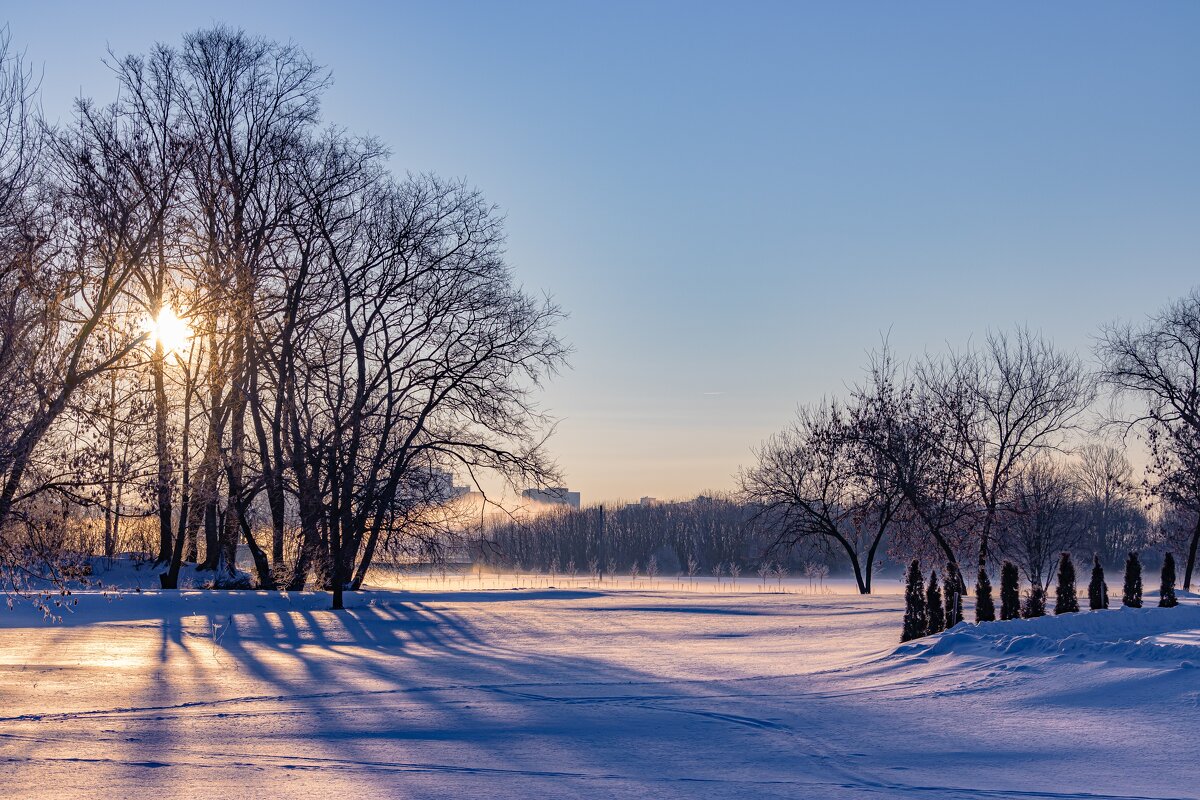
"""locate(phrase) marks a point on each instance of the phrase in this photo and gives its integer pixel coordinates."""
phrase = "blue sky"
(736, 201)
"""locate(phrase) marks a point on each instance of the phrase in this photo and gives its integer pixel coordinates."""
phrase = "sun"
(173, 333)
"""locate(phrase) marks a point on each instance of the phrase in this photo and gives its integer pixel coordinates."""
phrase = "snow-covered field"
(579, 692)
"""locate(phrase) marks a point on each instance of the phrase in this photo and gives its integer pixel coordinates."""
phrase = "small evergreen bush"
(915, 620)
(1010, 591)
(1166, 593)
(1097, 589)
(933, 606)
(1065, 599)
(985, 609)
(1133, 582)
(1035, 602)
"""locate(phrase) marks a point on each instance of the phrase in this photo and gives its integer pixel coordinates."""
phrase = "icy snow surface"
(593, 693)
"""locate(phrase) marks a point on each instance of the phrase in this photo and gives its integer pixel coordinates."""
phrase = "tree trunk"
(186, 532)
(170, 578)
(231, 530)
(335, 546)
(261, 565)
(985, 536)
(1191, 562)
(365, 562)
(110, 539)
(163, 452)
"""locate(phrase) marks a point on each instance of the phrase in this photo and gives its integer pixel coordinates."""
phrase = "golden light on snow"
(169, 330)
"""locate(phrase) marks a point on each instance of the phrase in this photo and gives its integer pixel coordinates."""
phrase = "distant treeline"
(718, 531)
(697, 535)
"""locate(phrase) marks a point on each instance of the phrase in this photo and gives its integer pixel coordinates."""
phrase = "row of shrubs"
(927, 612)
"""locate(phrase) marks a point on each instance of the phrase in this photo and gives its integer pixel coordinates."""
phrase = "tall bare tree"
(1157, 363)
(427, 355)
(920, 451)
(1012, 400)
(75, 247)
(247, 105)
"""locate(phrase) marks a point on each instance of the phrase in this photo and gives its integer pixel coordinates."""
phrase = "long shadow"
(400, 695)
(441, 694)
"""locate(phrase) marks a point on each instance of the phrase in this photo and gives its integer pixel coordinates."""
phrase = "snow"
(580, 691)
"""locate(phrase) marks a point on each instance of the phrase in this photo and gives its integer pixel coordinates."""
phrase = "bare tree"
(1114, 522)
(426, 357)
(919, 451)
(66, 273)
(247, 103)
(1041, 519)
(1010, 401)
(814, 480)
(354, 336)
(143, 131)
(1158, 363)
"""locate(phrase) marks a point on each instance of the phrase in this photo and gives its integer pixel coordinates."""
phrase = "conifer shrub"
(1035, 602)
(1010, 591)
(1132, 596)
(1166, 592)
(1097, 588)
(915, 620)
(1065, 599)
(985, 609)
(933, 606)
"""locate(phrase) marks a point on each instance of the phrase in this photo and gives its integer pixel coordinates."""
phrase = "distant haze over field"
(735, 203)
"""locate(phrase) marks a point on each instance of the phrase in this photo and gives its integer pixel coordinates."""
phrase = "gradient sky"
(736, 201)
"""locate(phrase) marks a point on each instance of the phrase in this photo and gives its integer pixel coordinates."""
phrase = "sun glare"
(170, 331)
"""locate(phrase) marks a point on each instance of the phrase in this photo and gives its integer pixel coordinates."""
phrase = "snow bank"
(1120, 635)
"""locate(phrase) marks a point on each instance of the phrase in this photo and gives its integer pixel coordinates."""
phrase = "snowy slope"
(1118, 635)
(586, 693)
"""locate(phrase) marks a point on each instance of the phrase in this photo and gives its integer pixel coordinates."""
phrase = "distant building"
(645, 502)
(558, 495)
(442, 487)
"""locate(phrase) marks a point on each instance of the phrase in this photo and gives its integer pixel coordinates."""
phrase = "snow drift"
(1119, 635)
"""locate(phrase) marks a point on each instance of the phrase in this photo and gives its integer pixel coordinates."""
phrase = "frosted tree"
(780, 572)
(1114, 521)
(1041, 519)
